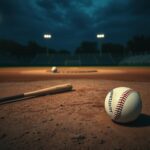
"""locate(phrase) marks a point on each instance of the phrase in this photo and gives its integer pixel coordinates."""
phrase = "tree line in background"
(137, 45)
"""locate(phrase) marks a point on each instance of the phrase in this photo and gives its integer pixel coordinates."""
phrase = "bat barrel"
(51, 90)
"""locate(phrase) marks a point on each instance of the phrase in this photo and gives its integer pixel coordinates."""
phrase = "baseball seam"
(122, 100)
(110, 101)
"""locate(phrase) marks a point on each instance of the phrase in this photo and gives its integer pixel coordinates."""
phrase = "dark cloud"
(69, 22)
(66, 12)
(123, 19)
(8, 7)
(140, 7)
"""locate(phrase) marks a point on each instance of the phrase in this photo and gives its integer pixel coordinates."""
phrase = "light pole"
(47, 37)
(100, 37)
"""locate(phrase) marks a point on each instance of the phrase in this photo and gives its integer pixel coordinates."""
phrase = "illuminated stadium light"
(100, 35)
(47, 36)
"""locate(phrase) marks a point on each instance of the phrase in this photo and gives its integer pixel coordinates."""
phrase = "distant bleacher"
(73, 60)
(40, 60)
(106, 60)
(91, 59)
(56, 59)
(86, 59)
(136, 60)
(51, 59)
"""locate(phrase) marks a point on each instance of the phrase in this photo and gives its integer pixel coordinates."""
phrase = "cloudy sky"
(72, 21)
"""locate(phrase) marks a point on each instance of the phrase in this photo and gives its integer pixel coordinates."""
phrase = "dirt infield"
(72, 120)
(44, 73)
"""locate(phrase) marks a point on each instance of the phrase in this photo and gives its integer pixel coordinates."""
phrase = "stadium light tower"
(100, 37)
(47, 37)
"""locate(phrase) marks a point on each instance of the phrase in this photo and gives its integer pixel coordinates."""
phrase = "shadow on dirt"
(142, 121)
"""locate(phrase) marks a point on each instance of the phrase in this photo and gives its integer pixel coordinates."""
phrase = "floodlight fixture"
(100, 36)
(47, 36)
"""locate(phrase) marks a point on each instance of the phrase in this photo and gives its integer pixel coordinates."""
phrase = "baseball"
(123, 104)
(54, 69)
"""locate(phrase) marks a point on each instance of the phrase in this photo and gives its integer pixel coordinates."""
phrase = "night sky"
(72, 21)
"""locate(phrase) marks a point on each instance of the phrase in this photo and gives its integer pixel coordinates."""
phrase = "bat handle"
(11, 97)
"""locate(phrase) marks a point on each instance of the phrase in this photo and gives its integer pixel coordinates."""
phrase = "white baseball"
(54, 69)
(123, 104)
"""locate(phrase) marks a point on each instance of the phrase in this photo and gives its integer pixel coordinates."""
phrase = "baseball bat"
(45, 91)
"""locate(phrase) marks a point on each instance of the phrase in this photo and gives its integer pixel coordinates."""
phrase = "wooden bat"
(45, 91)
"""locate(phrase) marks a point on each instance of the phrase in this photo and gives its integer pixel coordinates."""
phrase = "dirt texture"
(73, 120)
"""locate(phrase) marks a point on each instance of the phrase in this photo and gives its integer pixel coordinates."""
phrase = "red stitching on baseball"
(121, 102)
(110, 101)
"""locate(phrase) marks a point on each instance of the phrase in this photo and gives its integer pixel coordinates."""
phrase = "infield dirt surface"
(71, 120)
